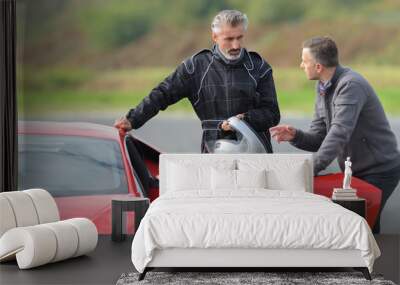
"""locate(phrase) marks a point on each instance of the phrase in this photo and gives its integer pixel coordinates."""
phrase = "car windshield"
(70, 165)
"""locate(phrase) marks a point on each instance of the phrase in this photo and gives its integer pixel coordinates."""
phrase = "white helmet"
(247, 140)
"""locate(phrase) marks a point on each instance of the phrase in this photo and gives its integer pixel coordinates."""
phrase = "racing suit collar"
(218, 55)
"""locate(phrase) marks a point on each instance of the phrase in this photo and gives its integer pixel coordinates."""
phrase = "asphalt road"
(182, 134)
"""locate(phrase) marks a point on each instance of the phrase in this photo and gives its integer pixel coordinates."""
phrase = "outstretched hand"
(283, 133)
(123, 124)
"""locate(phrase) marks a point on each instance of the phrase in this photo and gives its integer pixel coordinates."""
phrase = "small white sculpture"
(347, 174)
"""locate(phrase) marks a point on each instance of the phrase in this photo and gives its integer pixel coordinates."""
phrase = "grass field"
(75, 90)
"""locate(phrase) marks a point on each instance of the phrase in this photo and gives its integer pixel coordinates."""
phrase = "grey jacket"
(349, 120)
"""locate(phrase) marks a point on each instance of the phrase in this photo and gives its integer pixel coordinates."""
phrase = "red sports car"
(84, 166)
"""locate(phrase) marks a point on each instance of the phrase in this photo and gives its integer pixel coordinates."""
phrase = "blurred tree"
(191, 11)
(97, 25)
(37, 16)
(115, 23)
(273, 11)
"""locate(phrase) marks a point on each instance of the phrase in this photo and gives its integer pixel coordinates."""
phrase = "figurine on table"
(347, 174)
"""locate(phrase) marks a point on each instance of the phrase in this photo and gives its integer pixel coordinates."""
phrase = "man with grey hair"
(349, 121)
(220, 83)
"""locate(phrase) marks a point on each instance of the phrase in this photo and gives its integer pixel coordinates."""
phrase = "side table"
(126, 204)
(357, 205)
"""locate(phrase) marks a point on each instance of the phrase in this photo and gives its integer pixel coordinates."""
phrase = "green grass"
(48, 102)
(89, 91)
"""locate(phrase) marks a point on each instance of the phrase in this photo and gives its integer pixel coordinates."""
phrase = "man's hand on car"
(123, 124)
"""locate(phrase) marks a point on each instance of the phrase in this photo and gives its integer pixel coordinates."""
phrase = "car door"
(144, 161)
(83, 174)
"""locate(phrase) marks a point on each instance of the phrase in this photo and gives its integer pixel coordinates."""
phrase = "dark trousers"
(387, 182)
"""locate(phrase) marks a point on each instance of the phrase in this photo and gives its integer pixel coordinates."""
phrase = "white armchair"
(31, 230)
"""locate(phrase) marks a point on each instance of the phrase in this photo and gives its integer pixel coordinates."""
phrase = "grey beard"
(232, 57)
(229, 58)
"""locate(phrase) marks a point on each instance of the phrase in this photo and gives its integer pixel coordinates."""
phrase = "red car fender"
(323, 185)
(97, 208)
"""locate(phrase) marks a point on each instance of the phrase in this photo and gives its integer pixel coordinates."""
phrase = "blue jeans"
(387, 182)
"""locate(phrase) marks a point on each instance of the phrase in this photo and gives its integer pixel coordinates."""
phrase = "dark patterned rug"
(242, 278)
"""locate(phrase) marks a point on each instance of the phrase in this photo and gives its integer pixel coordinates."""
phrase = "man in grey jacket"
(349, 120)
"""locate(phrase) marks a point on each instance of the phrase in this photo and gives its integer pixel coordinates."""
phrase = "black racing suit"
(217, 90)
